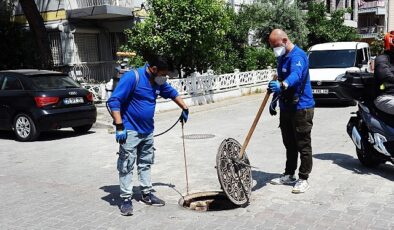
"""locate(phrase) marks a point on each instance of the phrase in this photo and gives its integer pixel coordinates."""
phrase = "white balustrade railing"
(199, 84)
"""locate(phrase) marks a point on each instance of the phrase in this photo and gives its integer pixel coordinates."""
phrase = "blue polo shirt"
(138, 109)
(293, 68)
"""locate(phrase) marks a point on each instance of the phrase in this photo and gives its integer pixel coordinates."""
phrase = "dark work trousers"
(296, 127)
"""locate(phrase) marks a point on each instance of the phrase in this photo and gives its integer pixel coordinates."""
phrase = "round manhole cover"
(235, 176)
(199, 136)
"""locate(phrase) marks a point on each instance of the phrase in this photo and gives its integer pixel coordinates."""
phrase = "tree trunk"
(36, 23)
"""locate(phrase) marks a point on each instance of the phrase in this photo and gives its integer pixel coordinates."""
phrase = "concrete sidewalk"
(66, 181)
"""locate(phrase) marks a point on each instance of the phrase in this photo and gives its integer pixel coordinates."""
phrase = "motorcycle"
(371, 130)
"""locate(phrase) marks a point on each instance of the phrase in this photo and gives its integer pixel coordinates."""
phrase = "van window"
(331, 59)
(367, 54)
(360, 56)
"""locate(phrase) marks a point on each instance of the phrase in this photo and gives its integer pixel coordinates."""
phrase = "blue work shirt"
(293, 68)
(138, 109)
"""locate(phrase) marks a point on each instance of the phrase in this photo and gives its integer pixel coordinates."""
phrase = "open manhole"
(235, 177)
(199, 136)
(207, 201)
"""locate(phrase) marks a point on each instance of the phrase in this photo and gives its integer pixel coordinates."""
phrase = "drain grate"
(199, 136)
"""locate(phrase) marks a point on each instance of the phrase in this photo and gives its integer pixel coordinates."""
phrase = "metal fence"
(93, 72)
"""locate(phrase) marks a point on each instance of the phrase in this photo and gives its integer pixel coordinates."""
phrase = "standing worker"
(294, 92)
(384, 75)
(133, 105)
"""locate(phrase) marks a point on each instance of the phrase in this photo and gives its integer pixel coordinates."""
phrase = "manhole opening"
(199, 136)
(207, 201)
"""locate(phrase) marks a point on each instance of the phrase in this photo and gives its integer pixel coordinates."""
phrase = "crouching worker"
(133, 105)
(384, 75)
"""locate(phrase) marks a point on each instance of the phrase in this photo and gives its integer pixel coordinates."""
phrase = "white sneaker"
(284, 179)
(301, 186)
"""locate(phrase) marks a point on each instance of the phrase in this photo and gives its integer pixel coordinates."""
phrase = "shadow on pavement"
(46, 136)
(350, 163)
(262, 178)
(113, 193)
(113, 197)
(60, 134)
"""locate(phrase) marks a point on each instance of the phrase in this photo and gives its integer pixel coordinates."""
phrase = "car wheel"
(25, 128)
(83, 128)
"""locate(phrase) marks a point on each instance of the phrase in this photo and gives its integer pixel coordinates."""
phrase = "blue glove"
(274, 86)
(273, 105)
(120, 134)
(184, 115)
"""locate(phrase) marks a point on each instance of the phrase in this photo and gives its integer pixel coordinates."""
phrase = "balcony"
(377, 7)
(371, 31)
(100, 9)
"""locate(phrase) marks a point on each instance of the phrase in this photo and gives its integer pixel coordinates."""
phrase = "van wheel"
(82, 129)
(25, 128)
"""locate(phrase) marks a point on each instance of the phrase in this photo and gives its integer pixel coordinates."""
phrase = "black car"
(32, 101)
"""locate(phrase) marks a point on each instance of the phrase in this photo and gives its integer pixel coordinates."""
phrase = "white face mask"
(279, 51)
(160, 80)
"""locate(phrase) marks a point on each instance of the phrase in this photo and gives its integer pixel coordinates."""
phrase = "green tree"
(258, 58)
(16, 45)
(37, 26)
(323, 29)
(377, 45)
(191, 33)
(267, 15)
(246, 57)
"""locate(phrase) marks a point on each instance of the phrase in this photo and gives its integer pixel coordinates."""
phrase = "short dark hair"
(160, 62)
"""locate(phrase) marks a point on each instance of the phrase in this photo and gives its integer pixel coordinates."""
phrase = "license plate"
(73, 100)
(320, 91)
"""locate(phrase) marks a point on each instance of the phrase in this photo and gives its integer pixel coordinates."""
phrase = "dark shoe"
(151, 199)
(126, 209)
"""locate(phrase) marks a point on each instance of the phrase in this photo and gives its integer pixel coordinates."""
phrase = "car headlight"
(340, 77)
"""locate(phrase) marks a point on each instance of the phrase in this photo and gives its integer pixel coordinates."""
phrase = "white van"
(328, 63)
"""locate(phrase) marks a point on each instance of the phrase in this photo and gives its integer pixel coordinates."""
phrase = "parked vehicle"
(328, 63)
(371, 130)
(32, 101)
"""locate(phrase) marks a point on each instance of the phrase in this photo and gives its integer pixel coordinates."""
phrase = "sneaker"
(284, 179)
(301, 186)
(126, 209)
(151, 199)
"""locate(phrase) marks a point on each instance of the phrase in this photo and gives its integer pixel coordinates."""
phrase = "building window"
(87, 47)
(56, 48)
